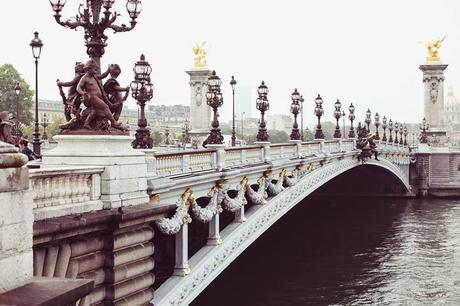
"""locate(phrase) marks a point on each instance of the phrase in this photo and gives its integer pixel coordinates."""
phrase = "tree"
(276, 136)
(9, 76)
(157, 138)
(53, 128)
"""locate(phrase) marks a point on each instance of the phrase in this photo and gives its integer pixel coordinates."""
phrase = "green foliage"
(275, 136)
(9, 76)
(308, 135)
(157, 138)
(53, 128)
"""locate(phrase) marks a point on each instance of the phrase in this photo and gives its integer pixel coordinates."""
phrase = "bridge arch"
(209, 262)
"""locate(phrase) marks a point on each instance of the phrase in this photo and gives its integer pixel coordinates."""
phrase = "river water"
(353, 251)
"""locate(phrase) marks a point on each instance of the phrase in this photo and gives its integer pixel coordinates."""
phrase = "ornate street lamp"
(262, 105)
(396, 132)
(377, 124)
(36, 45)
(142, 91)
(17, 130)
(390, 128)
(186, 134)
(401, 130)
(337, 114)
(368, 120)
(384, 126)
(352, 117)
(424, 128)
(45, 122)
(301, 117)
(405, 135)
(233, 83)
(94, 24)
(215, 100)
(318, 113)
(295, 108)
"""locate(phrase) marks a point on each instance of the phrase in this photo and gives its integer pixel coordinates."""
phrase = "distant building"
(158, 116)
(451, 108)
(280, 123)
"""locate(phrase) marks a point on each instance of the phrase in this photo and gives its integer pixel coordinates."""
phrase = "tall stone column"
(433, 81)
(200, 112)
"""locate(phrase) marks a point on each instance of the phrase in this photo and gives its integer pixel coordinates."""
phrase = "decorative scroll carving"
(205, 214)
(259, 196)
(434, 90)
(171, 226)
(291, 180)
(276, 188)
(235, 203)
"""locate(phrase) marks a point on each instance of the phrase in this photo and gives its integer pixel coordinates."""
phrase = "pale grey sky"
(360, 51)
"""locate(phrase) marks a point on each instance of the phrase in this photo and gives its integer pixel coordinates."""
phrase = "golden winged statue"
(433, 48)
(200, 59)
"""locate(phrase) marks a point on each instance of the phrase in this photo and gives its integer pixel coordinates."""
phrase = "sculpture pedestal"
(124, 180)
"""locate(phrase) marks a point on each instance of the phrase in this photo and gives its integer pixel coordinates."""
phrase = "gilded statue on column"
(200, 60)
(433, 48)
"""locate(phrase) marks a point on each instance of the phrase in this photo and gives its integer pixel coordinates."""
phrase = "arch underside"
(210, 261)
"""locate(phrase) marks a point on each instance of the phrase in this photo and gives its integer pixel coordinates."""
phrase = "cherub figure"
(72, 102)
(113, 90)
(94, 98)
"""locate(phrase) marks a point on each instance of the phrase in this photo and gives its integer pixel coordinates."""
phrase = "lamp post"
(45, 121)
(142, 91)
(423, 135)
(318, 113)
(17, 130)
(396, 132)
(352, 117)
(295, 108)
(301, 118)
(377, 124)
(401, 130)
(262, 105)
(384, 126)
(368, 120)
(90, 19)
(390, 128)
(215, 100)
(337, 114)
(233, 83)
(343, 124)
(36, 45)
(405, 135)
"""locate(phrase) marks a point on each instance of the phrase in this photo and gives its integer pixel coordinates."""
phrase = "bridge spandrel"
(299, 177)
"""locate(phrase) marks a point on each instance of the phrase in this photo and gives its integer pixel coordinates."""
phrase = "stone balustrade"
(63, 191)
(173, 163)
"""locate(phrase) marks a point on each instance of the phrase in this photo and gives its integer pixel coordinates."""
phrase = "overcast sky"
(361, 51)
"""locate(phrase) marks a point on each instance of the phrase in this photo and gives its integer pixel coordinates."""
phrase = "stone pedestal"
(124, 180)
(16, 219)
(200, 112)
(266, 150)
(433, 81)
(220, 155)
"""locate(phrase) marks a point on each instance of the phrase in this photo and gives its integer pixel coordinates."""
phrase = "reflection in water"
(350, 252)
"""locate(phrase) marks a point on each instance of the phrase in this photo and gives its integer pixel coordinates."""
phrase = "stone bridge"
(132, 220)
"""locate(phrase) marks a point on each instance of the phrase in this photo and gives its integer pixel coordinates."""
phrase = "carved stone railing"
(63, 191)
(183, 162)
(172, 163)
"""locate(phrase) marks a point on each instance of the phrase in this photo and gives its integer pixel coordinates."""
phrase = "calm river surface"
(350, 252)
